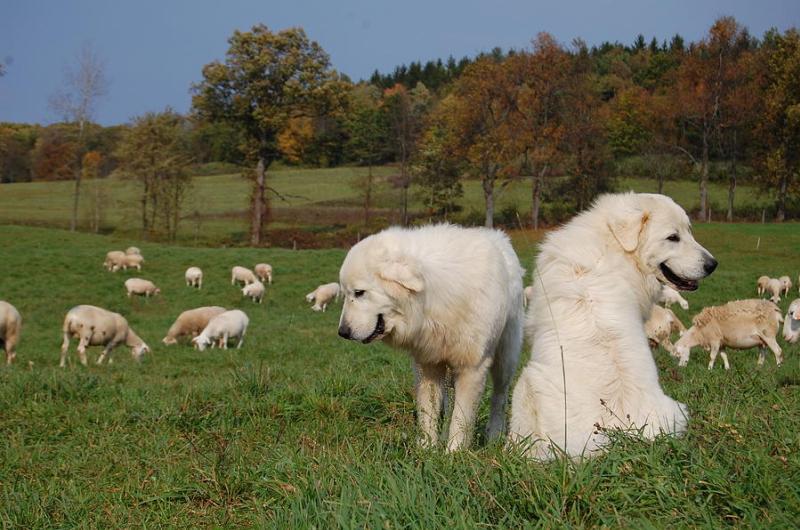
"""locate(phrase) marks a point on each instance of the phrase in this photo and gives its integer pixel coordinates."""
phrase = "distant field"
(315, 200)
(301, 429)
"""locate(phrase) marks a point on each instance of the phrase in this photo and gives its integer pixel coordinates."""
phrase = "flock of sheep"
(208, 326)
(740, 324)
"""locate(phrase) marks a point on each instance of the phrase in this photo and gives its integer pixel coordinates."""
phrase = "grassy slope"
(300, 428)
(316, 199)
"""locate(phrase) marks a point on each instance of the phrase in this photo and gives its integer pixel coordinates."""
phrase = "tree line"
(564, 118)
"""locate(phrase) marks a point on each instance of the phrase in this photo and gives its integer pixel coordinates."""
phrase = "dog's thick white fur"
(595, 283)
(452, 298)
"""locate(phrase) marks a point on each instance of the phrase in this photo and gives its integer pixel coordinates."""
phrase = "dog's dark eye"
(358, 293)
(674, 238)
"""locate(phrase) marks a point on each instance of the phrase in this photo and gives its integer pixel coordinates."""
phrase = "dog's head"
(658, 233)
(379, 283)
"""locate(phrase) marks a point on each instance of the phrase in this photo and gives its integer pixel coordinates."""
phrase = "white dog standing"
(595, 283)
(452, 298)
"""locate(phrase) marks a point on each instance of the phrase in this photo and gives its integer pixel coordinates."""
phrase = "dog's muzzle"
(380, 329)
(682, 284)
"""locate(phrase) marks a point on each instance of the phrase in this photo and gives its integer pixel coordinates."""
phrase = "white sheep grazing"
(133, 250)
(774, 287)
(527, 295)
(115, 259)
(10, 327)
(264, 272)
(670, 296)
(761, 284)
(191, 322)
(94, 326)
(322, 295)
(194, 277)
(740, 325)
(242, 274)
(254, 291)
(141, 287)
(228, 325)
(132, 261)
(786, 283)
(791, 324)
(660, 326)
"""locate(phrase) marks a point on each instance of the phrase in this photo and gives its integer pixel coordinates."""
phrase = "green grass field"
(315, 200)
(300, 429)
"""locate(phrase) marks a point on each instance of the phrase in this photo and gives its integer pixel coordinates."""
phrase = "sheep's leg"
(772, 344)
(106, 353)
(82, 344)
(667, 345)
(64, 348)
(225, 341)
(761, 356)
(324, 306)
(713, 356)
(725, 360)
(200, 283)
(241, 340)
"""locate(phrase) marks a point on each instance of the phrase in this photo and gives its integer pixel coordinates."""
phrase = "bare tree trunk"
(406, 183)
(704, 180)
(732, 185)
(488, 195)
(368, 195)
(258, 208)
(780, 215)
(536, 197)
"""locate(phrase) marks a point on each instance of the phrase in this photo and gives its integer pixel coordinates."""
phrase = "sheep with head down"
(95, 326)
(10, 327)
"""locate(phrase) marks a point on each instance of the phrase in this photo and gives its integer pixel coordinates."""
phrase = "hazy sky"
(155, 49)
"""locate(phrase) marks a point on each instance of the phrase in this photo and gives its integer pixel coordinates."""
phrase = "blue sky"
(154, 50)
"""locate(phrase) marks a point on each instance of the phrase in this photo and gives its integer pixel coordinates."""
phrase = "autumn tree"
(368, 129)
(541, 76)
(84, 84)
(778, 128)
(705, 78)
(154, 152)
(267, 80)
(53, 154)
(436, 167)
(405, 111)
(484, 99)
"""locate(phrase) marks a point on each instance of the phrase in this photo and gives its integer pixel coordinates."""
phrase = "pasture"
(302, 429)
(314, 201)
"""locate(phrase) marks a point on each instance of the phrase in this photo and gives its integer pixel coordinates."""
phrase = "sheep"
(786, 283)
(191, 322)
(133, 261)
(322, 295)
(94, 326)
(527, 295)
(254, 291)
(761, 284)
(661, 324)
(740, 324)
(242, 274)
(114, 260)
(775, 287)
(10, 326)
(228, 325)
(264, 272)
(141, 287)
(670, 296)
(194, 277)
(791, 324)
(133, 250)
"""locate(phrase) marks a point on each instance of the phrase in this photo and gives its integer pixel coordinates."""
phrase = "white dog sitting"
(595, 283)
(452, 298)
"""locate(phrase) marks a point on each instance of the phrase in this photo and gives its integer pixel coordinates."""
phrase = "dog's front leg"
(469, 382)
(430, 389)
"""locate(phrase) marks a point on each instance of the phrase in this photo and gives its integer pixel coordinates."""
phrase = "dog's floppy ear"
(402, 273)
(627, 226)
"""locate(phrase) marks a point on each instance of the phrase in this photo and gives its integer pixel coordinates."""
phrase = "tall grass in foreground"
(301, 429)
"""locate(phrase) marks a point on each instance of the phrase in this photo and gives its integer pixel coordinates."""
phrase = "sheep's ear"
(404, 274)
(627, 226)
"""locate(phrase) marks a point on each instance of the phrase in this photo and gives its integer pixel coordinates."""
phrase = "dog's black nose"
(344, 331)
(710, 265)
